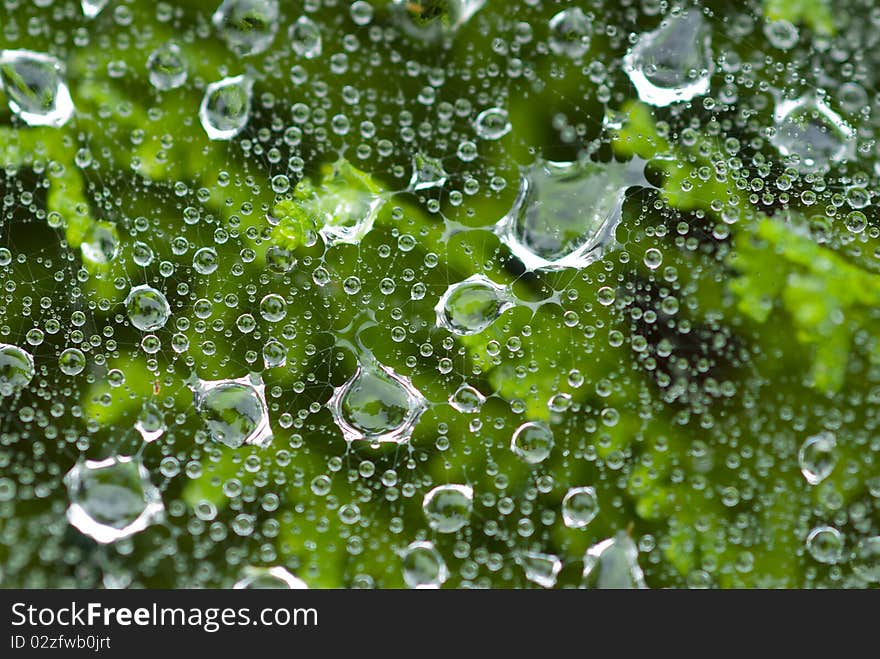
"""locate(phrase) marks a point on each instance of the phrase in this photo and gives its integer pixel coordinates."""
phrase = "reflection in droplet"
(565, 213)
(112, 499)
(817, 457)
(467, 399)
(532, 441)
(166, 67)
(377, 405)
(579, 507)
(423, 567)
(36, 88)
(674, 62)
(542, 569)
(613, 563)
(247, 26)
(16, 369)
(147, 308)
(234, 411)
(305, 38)
(448, 507)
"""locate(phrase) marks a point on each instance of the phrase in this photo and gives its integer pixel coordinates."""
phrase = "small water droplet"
(226, 107)
(467, 399)
(825, 544)
(470, 306)
(492, 124)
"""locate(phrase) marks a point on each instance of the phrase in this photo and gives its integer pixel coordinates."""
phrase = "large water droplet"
(674, 62)
(226, 107)
(112, 499)
(817, 457)
(150, 422)
(565, 213)
(492, 124)
(72, 361)
(579, 507)
(430, 21)
(305, 38)
(348, 213)
(376, 404)
(101, 243)
(542, 569)
(247, 26)
(532, 441)
(467, 399)
(147, 308)
(16, 369)
(35, 86)
(427, 173)
(613, 563)
(234, 411)
(470, 306)
(570, 33)
(423, 567)
(811, 134)
(266, 578)
(448, 507)
(166, 67)
(825, 544)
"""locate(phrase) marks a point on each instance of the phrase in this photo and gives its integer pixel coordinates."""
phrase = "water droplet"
(865, 559)
(166, 67)
(101, 243)
(147, 308)
(470, 306)
(72, 361)
(427, 173)
(234, 411)
(579, 507)
(423, 567)
(205, 260)
(376, 404)
(467, 399)
(91, 8)
(226, 107)
(305, 38)
(674, 62)
(448, 507)
(269, 578)
(566, 213)
(492, 124)
(112, 499)
(781, 34)
(542, 569)
(817, 457)
(150, 422)
(532, 442)
(613, 563)
(16, 369)
(825, 544)
(348, 215)
(570, 33)
(430, 21)
(247, 26)
(35, 86)
(811, 134)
